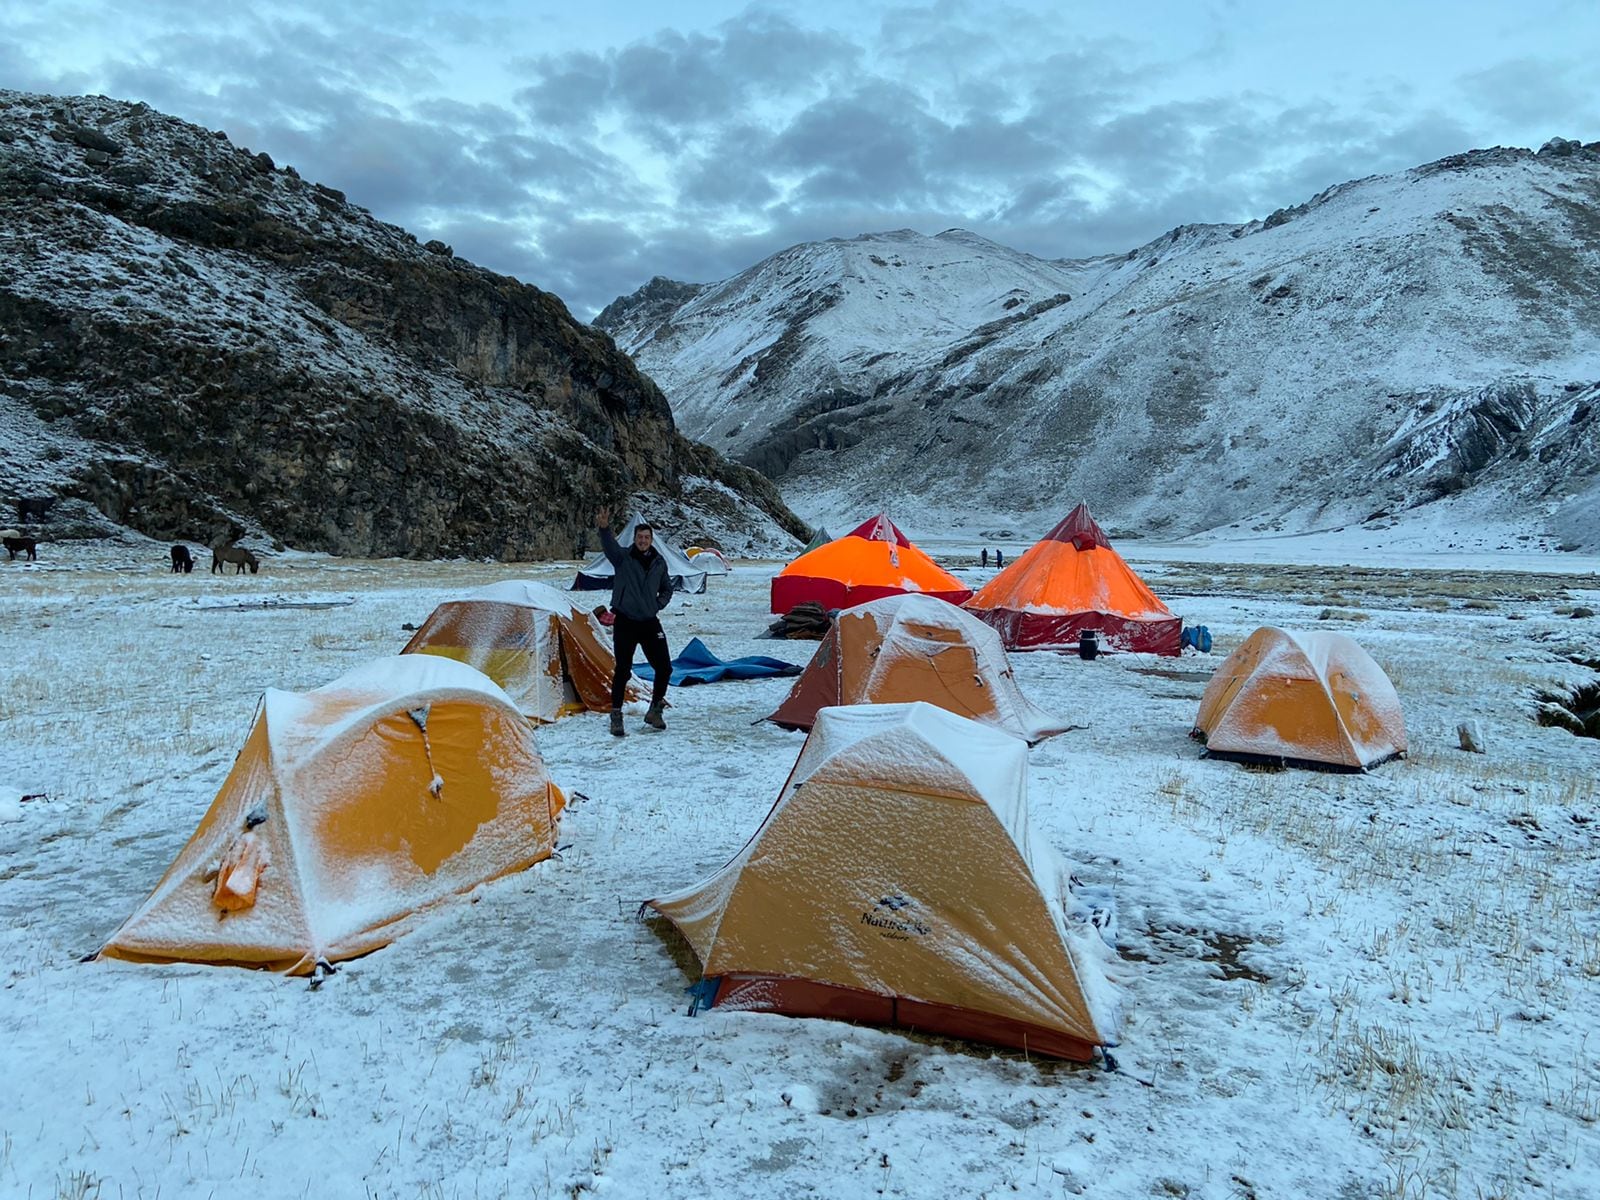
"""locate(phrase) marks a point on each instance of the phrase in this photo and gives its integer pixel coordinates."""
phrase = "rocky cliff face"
(196, 342)
(1427, 340)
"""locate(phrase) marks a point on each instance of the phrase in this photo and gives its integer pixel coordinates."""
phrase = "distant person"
(986, 556)
(640, 589)
(999, 558)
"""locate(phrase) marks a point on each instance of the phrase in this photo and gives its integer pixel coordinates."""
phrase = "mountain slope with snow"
(1425, 338)
(197, 343)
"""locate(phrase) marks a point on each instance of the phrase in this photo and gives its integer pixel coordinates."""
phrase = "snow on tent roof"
(898, 880)
(598, 573)
(528, 593)
(549, 654)
(351, 810)
(1315, 699)
(915, 647)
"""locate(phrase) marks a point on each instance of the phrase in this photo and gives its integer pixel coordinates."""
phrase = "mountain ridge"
(1426, 337)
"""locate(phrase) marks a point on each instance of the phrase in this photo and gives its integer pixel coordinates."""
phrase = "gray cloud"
(694, 153)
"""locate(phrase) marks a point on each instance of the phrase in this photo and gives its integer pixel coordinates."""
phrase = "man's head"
(643, 537)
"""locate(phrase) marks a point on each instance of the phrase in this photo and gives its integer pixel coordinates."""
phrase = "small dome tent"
(598, 574)
(873, 560)
(912, 647)
(551, 657)
(1069, 581)
(1305, 699)
(709, 560)
(897, 881)
(352, 810)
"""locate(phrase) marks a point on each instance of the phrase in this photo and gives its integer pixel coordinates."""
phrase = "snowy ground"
(1336, 987)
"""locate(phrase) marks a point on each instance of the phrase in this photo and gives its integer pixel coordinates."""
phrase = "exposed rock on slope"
(195, 341)
(1431, 336)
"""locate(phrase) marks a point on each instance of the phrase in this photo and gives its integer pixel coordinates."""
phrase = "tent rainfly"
(873, 560)
(1069, 581)
(1301, 699)
(352, 811)
(897, 881)
(911, 647)
(550, 656)
(598, 573)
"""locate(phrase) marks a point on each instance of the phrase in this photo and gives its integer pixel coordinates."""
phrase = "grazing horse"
(22, 545)
(237, 555)
(182, 560)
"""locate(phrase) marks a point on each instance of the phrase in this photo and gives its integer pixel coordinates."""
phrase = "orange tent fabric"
(551, 656)
(897, 880)
(1314, 699)
(911, 647)
(871, 561)
(352, 810)
(1069, 581)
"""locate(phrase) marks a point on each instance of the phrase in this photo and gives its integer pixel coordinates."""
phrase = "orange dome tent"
(1069, 581)
(352, 810)
(551, 657)
(897, 881)
(1305, 699)
(905, 648)
(871, 561)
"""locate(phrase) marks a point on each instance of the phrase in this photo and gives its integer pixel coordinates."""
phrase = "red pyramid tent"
(1073, 580)
(870, 562)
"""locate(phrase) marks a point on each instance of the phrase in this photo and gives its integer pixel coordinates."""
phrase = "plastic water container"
(1088, 644)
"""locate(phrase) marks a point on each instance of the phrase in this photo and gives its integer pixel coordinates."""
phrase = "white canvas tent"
(597, 575)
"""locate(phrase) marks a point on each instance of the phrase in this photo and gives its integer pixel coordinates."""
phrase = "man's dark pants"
(628, 635)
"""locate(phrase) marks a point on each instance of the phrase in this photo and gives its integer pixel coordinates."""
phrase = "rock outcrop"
(196, 342)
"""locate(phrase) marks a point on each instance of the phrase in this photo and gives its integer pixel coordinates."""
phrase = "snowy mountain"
(197, 343)
(1425, 343)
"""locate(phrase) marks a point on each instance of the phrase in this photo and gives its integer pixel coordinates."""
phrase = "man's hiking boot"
(616, 723)
(654, 719)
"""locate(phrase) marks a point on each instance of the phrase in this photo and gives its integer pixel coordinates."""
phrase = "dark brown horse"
(237, 555)
(182, 560)
(22, 545)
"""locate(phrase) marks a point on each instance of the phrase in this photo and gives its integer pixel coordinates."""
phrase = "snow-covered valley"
(1334, 986)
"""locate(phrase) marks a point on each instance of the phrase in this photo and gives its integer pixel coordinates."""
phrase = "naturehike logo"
(889, 916)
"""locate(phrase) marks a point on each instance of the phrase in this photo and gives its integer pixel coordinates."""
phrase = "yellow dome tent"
(351, 810)
(897, 881)
(552, 657)
(1302, 699)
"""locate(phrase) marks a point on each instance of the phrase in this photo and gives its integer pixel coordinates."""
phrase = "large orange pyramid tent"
(897, 881)
(551, 657)
(905, 648)
(1304, 699)
(1069, 581)
(873, 560)
(351, 810)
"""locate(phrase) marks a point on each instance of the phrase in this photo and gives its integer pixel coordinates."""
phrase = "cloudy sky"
(589, 148)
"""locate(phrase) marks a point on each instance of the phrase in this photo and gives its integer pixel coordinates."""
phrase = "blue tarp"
(698, 665)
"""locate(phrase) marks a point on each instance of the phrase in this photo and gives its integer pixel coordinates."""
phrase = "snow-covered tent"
(551, 656)
(598, 574)
(1312, 699)
(897, 881)
(915, 647)
(352, 810)
(708, 560)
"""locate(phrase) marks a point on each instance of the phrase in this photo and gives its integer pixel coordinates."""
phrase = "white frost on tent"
(896, 616)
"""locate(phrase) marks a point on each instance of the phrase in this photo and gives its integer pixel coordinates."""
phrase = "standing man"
(640, 589)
